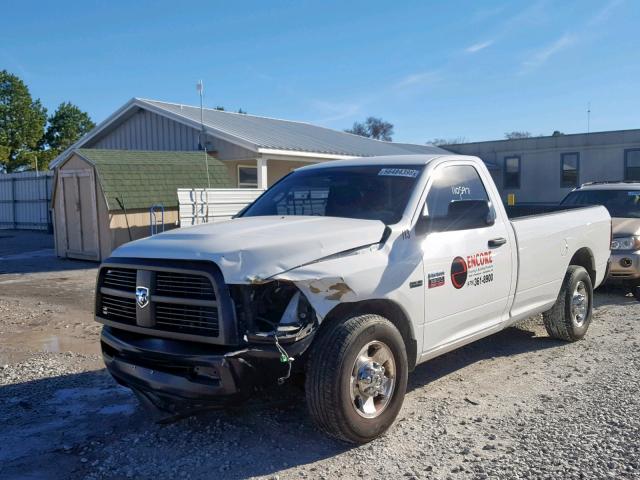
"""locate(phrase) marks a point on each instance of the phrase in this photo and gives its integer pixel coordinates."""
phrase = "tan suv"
(622, 199)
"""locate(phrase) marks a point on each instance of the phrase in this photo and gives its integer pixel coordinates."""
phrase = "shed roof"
(141, 179)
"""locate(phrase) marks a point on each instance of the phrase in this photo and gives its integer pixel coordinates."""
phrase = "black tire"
(329, 371)
(561, 321)
(636, 292)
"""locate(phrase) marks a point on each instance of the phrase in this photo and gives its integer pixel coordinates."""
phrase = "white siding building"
(545, 169)
(257, 150)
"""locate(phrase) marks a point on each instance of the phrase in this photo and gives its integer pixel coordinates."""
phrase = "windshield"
(367, 192)
(620, 203)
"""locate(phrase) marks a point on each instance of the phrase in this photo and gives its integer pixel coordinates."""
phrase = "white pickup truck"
(346, 274)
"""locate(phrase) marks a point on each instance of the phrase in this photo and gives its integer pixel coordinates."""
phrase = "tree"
(379, 129)
(373, 127)
(358, 129)
(447, 141)
(557, 133)
(66, 126)
(515, 134)
(220, 108)
(22, 121)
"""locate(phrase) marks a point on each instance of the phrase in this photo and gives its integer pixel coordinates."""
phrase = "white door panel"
(467, 282)
(475, 286)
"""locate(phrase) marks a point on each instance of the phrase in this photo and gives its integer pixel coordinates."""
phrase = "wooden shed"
(102, 198)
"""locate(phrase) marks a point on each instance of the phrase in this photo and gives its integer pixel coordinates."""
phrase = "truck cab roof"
(385, 160)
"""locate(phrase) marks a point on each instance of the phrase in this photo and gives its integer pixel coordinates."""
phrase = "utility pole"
(589, 117)
(202, 136)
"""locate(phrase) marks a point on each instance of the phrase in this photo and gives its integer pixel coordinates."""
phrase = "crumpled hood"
(625, 227)
(258, 247)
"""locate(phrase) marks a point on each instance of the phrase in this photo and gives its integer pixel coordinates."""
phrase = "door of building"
(80, 216)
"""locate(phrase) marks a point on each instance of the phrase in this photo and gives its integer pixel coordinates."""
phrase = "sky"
(456, 69)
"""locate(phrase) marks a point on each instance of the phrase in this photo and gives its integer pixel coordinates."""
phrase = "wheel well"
(584, 258)
(385, 308)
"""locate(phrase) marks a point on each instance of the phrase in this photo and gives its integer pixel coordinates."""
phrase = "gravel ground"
(514, 405)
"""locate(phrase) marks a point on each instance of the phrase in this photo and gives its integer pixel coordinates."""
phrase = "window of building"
(632, 164)
(247, 176)
(512, 172)
(570, 170)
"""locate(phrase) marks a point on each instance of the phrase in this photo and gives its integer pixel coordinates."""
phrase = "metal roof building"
(545, 169)
(257, 150)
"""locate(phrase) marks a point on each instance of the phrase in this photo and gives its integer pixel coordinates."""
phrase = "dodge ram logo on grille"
(142, 296)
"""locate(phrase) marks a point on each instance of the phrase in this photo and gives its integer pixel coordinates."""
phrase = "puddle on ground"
(17, 347)
(45, 252)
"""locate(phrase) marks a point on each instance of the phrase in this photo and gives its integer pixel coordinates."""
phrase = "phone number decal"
(480, 280)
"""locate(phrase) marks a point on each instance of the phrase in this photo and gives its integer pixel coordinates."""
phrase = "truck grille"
(119, 309)
(195, 320)
(121, 279)
(184, 285)
(179, 302)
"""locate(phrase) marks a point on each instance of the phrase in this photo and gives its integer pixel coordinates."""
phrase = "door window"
(570, 166)
(247, 177)
(632, 165)
(512, 172)
(457, 200)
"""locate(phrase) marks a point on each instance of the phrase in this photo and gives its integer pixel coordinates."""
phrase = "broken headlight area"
(271, 309)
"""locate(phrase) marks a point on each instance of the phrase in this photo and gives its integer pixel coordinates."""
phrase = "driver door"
(467, 258)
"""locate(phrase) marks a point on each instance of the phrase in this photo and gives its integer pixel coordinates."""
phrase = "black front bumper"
(180, 372)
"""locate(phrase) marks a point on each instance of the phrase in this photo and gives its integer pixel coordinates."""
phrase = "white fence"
(209, 205)
(24, 200)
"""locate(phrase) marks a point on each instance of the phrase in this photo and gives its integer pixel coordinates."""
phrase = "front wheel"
(570, 316)
(356, 378)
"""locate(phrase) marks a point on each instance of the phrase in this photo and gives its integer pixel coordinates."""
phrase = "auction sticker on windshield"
(398, 172)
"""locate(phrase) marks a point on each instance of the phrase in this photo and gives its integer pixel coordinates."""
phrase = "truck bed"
(528, 210)
(546, 243)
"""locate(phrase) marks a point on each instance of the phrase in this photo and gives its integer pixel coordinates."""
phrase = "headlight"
(626, 243)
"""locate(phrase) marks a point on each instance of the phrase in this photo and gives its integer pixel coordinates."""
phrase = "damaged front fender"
(326, 293)
(378, 272)
(333, 289)
(325, 290)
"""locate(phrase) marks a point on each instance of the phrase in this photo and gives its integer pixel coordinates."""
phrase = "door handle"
(497, 242)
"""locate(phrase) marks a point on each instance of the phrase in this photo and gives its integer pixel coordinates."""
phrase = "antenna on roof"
(201, 137)
(589, 117)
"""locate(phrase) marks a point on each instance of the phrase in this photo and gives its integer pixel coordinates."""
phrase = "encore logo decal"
(473, 271)
(459, 272)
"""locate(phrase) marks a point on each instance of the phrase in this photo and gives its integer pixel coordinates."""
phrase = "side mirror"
(423, 225)
(465, 214)
(461, 215)
(491, 217)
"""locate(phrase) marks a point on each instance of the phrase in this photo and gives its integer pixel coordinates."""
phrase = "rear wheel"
(636, 292)
(356, 378)
(570, 316)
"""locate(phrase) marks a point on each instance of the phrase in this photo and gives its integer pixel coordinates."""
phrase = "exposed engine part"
(284, 358)
(273, 308)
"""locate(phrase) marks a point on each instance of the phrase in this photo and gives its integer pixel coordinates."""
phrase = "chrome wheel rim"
(579, 304)
(373, 379)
